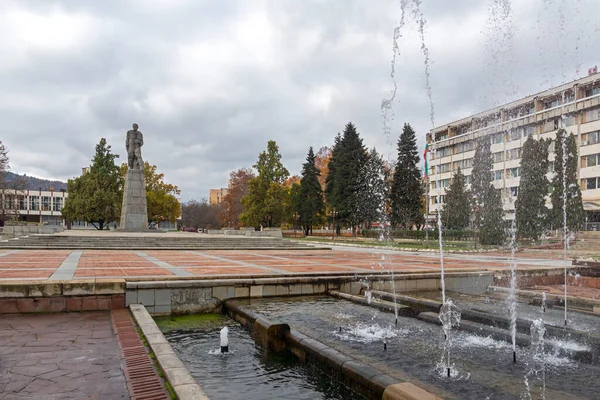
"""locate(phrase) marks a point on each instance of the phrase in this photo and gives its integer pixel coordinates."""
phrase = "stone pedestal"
(134, 211)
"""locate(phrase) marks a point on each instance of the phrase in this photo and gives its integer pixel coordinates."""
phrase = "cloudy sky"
(210, 82)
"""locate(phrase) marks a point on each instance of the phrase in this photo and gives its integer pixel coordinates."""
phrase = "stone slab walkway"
(60, 356)
(78, 264)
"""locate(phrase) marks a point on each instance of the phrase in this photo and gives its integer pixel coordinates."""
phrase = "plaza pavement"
(60, 356)
(90, 264)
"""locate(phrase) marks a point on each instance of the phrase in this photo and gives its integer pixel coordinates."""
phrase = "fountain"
(537, 363)
(224, 340)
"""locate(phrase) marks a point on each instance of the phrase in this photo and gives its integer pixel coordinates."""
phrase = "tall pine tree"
(531, 212)
(457, 210)
(311, 196)
(406, 192)
(343, 182)
(492, 228)
(486, 201)
(481, 176)
(372, 189)
(575, 213)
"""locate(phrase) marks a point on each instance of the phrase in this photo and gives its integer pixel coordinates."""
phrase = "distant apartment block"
(216, 196)
(574, 106)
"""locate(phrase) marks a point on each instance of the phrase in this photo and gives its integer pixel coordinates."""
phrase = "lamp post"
(333, 213)
(296, 217)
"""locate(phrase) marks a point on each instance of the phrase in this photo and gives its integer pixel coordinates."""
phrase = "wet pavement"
(60, 356)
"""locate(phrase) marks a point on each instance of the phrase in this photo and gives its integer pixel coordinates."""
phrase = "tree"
(265, 202)
(406, 193)
(231, 206)
(199, 214)
(95, 196)
(349, 157)
(481, 177)
(322, 158)
(160, 196)
(457, 210)
(372, 189)
(310, 197)
(575, 213)
(486, 201)
(492, 228)
(531, 213)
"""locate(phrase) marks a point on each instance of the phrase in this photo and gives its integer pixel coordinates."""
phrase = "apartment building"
(574, 106)
(216, 196)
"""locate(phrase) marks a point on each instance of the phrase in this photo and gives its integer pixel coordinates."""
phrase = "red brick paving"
(40, 264)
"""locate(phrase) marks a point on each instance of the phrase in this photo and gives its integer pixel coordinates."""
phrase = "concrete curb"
(183, 383)
(360, 377)
(409, 249)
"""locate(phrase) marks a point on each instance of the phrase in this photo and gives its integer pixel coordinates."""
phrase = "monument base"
(134, 210)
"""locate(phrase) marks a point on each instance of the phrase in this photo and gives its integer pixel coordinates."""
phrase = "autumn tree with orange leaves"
(231, 206)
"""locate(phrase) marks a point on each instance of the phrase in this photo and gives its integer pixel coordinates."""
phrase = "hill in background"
(34, 183)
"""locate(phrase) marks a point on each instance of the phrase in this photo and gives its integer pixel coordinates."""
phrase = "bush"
(421, 235)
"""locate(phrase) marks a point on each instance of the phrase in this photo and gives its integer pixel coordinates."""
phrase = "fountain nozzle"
(448, 372)
(224, 340)
(384, 346)
(396, 321)
(514, 357)
(340, 329)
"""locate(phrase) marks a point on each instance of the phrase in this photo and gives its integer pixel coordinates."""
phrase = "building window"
(462, 147)
(467, 179)
(46, 201)
(515, 134)
(22, 203)
(592, 91)
(498, 157)
(593, 160)
(444, 151)
(591, 138)
(444, 168)
(34, 203)
(58, 204)
(513, 172)
(497, 175)
(591, 183)
(497, 138)
(592, 115)
(513, 154)
(529, 130)
(569, 120)
(514, 191)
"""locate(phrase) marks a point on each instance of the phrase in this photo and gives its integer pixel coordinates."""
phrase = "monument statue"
(133, 144)
(134, 209)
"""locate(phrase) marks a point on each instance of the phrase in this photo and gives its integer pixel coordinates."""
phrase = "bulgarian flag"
(426, 173)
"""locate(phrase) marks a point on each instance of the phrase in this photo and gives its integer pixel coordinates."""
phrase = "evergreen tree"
(343, 181)
(96, 196)
(481, 177)
(575, 213)
(530, 208)
(486, 201)
(372, 189)
(457, 209)
(311, 196)
(265, 202)
(492, 228)
(406, 192)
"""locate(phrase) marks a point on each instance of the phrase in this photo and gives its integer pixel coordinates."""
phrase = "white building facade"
(574, 106)
(40, 206)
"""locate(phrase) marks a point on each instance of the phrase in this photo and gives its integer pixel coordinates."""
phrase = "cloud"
(210, 82)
